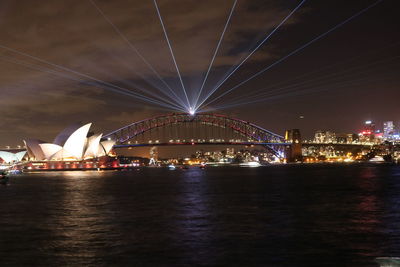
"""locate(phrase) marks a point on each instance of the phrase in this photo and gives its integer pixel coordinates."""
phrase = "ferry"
(250, 164)
(171, 167)
(377, 159)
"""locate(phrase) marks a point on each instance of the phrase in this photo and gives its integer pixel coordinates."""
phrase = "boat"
(171, 167)
(377, 159)
(250, 164)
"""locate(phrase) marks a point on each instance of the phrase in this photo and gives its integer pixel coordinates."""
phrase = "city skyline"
(350, 75)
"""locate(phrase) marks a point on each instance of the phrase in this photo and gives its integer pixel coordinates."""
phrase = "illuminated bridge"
(199, 129)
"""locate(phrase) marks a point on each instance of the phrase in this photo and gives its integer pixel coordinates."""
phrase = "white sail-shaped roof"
(63, 136)
(108, 145)
(71, 143)
(49, 150)
(34, 150)
(20, 155)
(93, 144)
(8, 157)
(100, 151)
(60, 155)
(76, 142)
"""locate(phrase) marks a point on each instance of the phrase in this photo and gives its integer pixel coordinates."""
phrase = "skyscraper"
(368, 132)
(388, 130)
(369, 127)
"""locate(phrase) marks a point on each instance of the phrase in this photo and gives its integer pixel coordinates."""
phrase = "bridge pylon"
(293, 151)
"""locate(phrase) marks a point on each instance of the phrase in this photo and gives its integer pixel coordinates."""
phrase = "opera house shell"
(73, 143)
(8, 157)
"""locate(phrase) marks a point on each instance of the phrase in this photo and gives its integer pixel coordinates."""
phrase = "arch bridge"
(198, 129)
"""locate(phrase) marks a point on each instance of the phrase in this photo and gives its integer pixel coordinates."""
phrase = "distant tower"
(153, 155)
(293, 152)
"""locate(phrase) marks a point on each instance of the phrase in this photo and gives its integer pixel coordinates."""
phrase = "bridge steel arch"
(256, 133)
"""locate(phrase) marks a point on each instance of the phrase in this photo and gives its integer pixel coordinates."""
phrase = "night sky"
(336, 83)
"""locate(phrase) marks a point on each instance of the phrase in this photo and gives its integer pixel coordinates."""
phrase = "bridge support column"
(293, 152)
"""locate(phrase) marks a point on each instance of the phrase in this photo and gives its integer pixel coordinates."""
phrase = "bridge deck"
(200, 143)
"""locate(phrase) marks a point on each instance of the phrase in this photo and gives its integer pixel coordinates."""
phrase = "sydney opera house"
(72, 149)
(9, 157)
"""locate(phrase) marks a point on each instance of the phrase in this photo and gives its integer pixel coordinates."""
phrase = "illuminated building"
(369, 126)
(368, 129)
(341, 138)
(319, 137)
(230, 152)
(352, 138)
(388, 130)
(324, 137)
(367, 135)
(153, 155)
(199, 154)
(72, 143)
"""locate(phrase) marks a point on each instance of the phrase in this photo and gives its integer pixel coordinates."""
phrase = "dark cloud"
(73, 34)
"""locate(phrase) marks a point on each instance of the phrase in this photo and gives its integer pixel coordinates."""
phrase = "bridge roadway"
(198, 143)
(335, 144)
(13, 150)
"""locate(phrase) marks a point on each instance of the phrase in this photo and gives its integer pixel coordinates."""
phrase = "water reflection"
(292, 215)
(194, 216)
(367, 216)
(80, 221)
(391, 214)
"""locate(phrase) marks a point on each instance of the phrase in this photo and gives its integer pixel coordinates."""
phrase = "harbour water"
(286, 215)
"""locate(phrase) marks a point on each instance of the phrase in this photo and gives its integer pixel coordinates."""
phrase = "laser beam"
(215, 52)
(299, 92)
(172, 53)
(114, 87)
(298, 49)
(254, 50)
(130, 44)
(265, 91)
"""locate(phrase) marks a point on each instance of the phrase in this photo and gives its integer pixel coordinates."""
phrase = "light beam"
(343, 73)
(300, 92)
(297, 50)
(215, 52)
(254, 50)
(110, 86)
(118, 31)
(172, 53)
